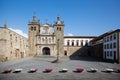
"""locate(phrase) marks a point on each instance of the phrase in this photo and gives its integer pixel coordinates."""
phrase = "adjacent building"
(109, 44)
(12, 45)
(77, 45)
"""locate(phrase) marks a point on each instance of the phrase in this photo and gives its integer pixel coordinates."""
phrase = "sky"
(81, 17)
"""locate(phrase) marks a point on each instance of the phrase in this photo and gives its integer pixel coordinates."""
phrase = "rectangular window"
(107, 46)
(114, 36)
(11, 44)
(107, 39)
(111, 38)
(111, 46)
(10, 36)
(114, 55)
(104, 39)
(110, 53)
(16, 39)
(114, 45)
(105, 52)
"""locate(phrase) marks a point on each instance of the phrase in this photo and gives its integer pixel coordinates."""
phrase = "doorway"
(46, 51)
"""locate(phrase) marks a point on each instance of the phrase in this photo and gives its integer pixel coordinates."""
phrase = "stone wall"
(12, 45)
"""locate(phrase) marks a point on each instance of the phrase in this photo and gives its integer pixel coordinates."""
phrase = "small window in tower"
(57, 28)
(60, 29)
(34, 28)
(31, 28)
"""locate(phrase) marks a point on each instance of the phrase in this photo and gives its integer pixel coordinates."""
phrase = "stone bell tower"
(59, 32)
(33, 27)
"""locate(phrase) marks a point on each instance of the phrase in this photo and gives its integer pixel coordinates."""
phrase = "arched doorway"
(65, 53)
(46, 51)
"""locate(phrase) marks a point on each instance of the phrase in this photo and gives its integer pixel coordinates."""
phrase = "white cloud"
(19, 32)
(69, 34)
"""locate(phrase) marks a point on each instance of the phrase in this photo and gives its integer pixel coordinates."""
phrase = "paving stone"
(41, 63)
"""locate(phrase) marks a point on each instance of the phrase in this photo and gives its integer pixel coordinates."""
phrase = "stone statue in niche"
(45, 29)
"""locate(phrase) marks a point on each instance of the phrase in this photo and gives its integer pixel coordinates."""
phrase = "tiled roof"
(106, 34)
(80, 36)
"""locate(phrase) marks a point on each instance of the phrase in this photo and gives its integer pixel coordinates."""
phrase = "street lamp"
(57, 50)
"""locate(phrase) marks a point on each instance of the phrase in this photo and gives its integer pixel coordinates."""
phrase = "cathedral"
(49, 40)
(46, 39)
(43, 40)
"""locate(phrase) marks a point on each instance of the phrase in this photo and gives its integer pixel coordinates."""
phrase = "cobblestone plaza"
(41, 63)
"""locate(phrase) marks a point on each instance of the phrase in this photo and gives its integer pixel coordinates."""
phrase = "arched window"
(49, 40)
(81, 42)
(77, 43)
(60, 29)
(68, 43)
(34, 28)
(72, 42)
(65, 53)
(31, 28)
(86, 43)
(57, 28)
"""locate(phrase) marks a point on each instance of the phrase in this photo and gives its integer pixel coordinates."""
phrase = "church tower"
(59, 32)
(34, 28)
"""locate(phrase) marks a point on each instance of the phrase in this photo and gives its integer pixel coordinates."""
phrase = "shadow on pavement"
(85, 58)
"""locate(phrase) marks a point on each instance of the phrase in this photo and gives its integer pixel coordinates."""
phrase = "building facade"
(43, 39)
(46, 39)
(110, 46)
(77, 45)
(12, 45)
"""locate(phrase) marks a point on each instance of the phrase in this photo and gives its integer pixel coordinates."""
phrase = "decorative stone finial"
(34, 18)
(58, 18)
(5, 25)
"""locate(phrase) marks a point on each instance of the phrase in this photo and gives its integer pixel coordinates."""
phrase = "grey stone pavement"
(41, 63)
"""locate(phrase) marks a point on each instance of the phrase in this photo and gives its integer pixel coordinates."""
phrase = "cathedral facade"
(46, 39)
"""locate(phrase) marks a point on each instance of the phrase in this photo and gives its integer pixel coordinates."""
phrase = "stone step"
(44, 56)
